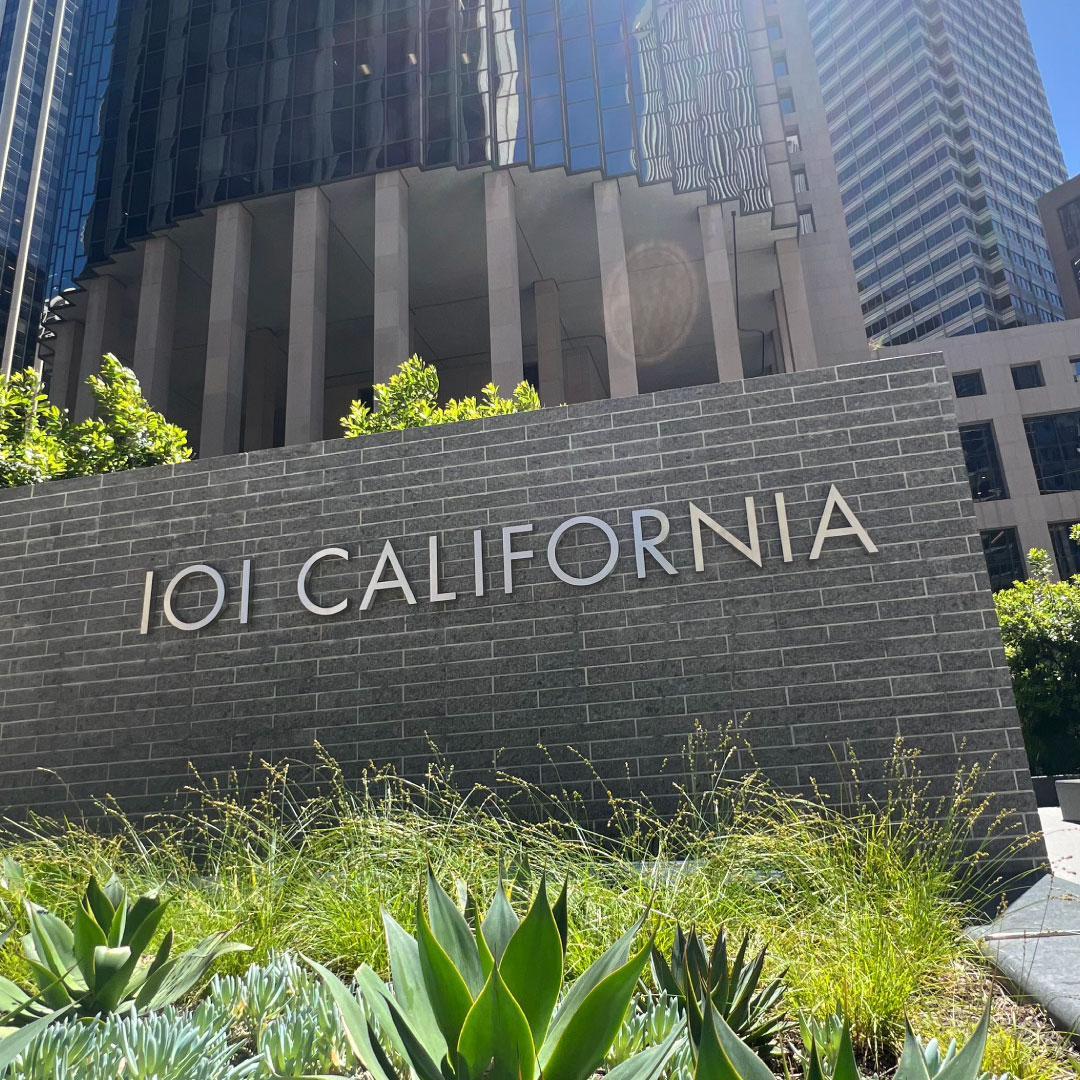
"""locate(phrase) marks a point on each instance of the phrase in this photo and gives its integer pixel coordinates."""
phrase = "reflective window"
(1066, 550)
(1027, 376)
(1054, 442)
(983, 462)
(1004, 562)
(969, 384)
(246, 97)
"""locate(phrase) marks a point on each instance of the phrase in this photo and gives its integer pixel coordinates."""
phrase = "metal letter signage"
(389, 573)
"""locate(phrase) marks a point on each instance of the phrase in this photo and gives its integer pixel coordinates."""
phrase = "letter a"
(853, 527)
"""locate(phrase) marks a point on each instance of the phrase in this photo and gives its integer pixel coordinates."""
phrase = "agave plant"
(917, 1062)
(484, 1002)
(97, 966)
(751, 1011)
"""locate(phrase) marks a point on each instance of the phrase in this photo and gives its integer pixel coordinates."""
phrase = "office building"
(55, 59)
(1018, 407)
(1060, 210)
(943, 143)
(290, 199)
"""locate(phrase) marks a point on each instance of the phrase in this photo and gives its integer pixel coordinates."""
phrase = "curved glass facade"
(216, 100)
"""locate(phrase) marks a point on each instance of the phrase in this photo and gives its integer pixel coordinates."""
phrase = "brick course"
(797, 659)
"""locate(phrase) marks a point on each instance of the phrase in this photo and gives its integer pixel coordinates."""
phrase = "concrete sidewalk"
(1062, 844)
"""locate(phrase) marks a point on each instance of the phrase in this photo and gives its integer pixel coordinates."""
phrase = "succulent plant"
(733, 987)
(97, 966)
(467, 1003)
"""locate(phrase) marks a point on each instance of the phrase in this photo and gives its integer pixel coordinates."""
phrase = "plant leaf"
(495, 1041)
(591, 1028)
(500, 922)
(452, 932)
(177, 976)
(407, 974)
(447, 990)
(560, 911)
(532, 965)
(357, 1030)
(598, 970)
(11, 1046)
(747, 1064)
(967, 1064)
(912, 1065)
(648, 1064)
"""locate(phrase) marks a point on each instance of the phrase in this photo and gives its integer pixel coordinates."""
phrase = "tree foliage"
(411, 399)
(1040, 626)
(39, 442)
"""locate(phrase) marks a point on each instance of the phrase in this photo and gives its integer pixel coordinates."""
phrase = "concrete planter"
(1068, 792)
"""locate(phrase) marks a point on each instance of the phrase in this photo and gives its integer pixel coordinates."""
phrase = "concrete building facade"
(1018, 407)
(510, 190)
(943, 143)
(1060, 210)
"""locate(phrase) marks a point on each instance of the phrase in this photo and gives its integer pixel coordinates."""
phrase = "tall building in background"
(288, 198)
(943, 143)
(1060, 211)
(54, 62)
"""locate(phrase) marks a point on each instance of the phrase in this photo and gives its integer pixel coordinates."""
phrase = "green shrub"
(38, 442)
(411, 399)
(1040, 627)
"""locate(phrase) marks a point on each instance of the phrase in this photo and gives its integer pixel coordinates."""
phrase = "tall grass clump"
(862, 901)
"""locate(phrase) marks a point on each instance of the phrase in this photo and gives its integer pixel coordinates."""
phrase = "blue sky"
(1054, 26)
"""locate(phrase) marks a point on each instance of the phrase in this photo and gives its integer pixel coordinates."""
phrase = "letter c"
(302, 581)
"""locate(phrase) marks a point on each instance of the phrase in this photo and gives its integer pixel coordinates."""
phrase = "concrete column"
(102, 302)
(306, 384)
(725, 322)
(615, 284)
(67, 354)
(793, 285)
(504, 286)
(549, 353)
(156, 324)
(261, 378)
(226, 340)
(391, 274)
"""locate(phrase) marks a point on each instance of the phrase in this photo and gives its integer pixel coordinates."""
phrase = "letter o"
(215, 611)
(557, 535)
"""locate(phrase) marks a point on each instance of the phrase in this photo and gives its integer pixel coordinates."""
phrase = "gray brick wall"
(795, 658)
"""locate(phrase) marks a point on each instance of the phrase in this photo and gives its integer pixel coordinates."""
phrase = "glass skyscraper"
(212, 102)
(54, 61)
(943, 142)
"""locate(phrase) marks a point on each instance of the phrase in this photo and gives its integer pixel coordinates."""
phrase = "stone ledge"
(1035, 945)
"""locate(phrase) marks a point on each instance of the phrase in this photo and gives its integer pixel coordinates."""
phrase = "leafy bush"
(38, 442)
(411, 399)
(1040, 627)
(99, 966)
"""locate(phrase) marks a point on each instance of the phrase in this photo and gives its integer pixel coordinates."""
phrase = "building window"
(772, 29)
(1075, 362)
(787, 103)
(1027, 376)
(1004, 563)
(794, 143)
(969, 384)
(1054, 442)
(779, 66)
(798, 178)
(806, 222)
(1069, 217)
(1066, 550)
(983, 463)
